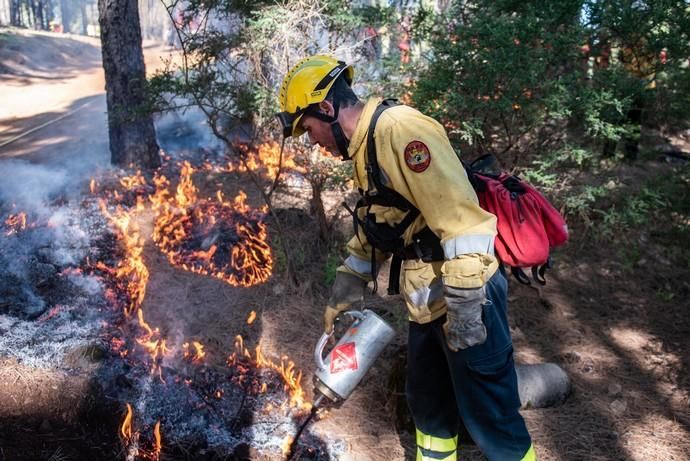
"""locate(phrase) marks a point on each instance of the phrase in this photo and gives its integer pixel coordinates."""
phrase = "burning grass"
(223, 239)
(176, 393)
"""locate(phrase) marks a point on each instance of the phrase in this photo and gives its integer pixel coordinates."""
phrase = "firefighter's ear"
(327, 108)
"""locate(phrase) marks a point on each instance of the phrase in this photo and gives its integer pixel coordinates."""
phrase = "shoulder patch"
(417, 156)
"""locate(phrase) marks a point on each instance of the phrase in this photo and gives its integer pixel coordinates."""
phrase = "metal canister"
(347, 363)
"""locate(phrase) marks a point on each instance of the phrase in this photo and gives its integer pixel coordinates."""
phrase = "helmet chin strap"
(341, 141)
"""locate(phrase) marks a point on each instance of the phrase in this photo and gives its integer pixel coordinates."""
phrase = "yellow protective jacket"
(417, 161)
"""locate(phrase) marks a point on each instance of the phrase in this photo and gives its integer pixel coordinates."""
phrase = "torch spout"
(312, 413)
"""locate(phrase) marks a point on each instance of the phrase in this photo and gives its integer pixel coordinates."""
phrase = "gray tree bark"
(66, 15)
(84, 17)
(130, 126)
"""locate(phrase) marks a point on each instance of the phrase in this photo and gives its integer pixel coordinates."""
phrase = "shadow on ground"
(25, 58)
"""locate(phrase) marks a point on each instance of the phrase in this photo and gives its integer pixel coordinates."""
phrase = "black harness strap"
(378, 193)
(425, 244)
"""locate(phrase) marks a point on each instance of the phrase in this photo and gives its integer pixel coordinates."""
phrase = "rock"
(618, 407)
(542, 385)
(615, 389)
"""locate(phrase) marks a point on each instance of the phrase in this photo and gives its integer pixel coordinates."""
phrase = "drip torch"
(346, 364)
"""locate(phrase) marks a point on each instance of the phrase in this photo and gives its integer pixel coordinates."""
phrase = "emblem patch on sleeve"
(417, 156)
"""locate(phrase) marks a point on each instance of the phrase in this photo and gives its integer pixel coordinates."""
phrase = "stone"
(618, 407)
(542, 385)
(615, 389)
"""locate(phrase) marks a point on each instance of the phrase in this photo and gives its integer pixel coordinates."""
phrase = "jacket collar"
(360, 134)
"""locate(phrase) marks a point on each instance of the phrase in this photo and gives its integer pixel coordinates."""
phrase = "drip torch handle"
(318, 352)
(321, 344)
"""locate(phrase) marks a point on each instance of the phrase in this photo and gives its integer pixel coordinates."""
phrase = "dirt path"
(53, 92)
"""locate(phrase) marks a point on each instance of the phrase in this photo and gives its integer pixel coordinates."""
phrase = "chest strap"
(425, 244)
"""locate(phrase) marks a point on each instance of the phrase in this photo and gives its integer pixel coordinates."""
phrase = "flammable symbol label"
(344, 357)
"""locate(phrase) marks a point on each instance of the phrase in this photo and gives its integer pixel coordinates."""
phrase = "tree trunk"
(49, 14)
(32, 14)
(84, 18)
(40, 17)
(65, 15)
(130, 126)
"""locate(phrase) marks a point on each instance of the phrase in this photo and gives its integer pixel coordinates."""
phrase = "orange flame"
(131, 272)
(92, 186)
(157, 440)
(287, 443)
(198, 354)
(286, 369)
(266, 160)
(251, 318)
(184, 217)
(131, 182)
(15, 223)
(126, 427)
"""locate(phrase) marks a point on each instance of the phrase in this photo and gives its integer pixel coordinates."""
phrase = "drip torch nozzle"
(312, 413)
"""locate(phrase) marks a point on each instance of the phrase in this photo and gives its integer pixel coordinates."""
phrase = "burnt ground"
(613, 315)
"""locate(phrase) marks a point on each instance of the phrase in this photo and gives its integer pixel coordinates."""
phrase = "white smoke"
(30, 187)
(186, 130)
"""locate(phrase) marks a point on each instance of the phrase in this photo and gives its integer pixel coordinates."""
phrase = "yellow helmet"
(307, 83)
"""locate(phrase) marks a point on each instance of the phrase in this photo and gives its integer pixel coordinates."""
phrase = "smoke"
(184, 131)
(49, 304)
(31, 187)
(49, 196)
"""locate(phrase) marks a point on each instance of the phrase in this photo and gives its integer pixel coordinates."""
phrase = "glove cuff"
(348, 270)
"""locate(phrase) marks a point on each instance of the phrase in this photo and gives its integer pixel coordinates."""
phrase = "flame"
(220, 237)
(131, 273)
(223, 239)
(134, 181)
(92, 186)
(126, 427)
(51, 313)
(287, 443)
(117, 345)
(196, 356)
(15, 223)
(157, 440)
(151, 342)
(286, 369)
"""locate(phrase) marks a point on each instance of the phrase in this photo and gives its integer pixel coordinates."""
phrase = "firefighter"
(460, 357)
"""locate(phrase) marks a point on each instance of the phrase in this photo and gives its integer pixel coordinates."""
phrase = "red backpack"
(528, 225)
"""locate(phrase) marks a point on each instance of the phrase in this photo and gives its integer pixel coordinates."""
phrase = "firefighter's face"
(319, 131)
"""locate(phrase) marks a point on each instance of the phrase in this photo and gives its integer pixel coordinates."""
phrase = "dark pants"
(477, 384)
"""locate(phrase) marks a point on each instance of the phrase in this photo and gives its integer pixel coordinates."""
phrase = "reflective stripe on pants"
(430, 448)
(530, 455)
